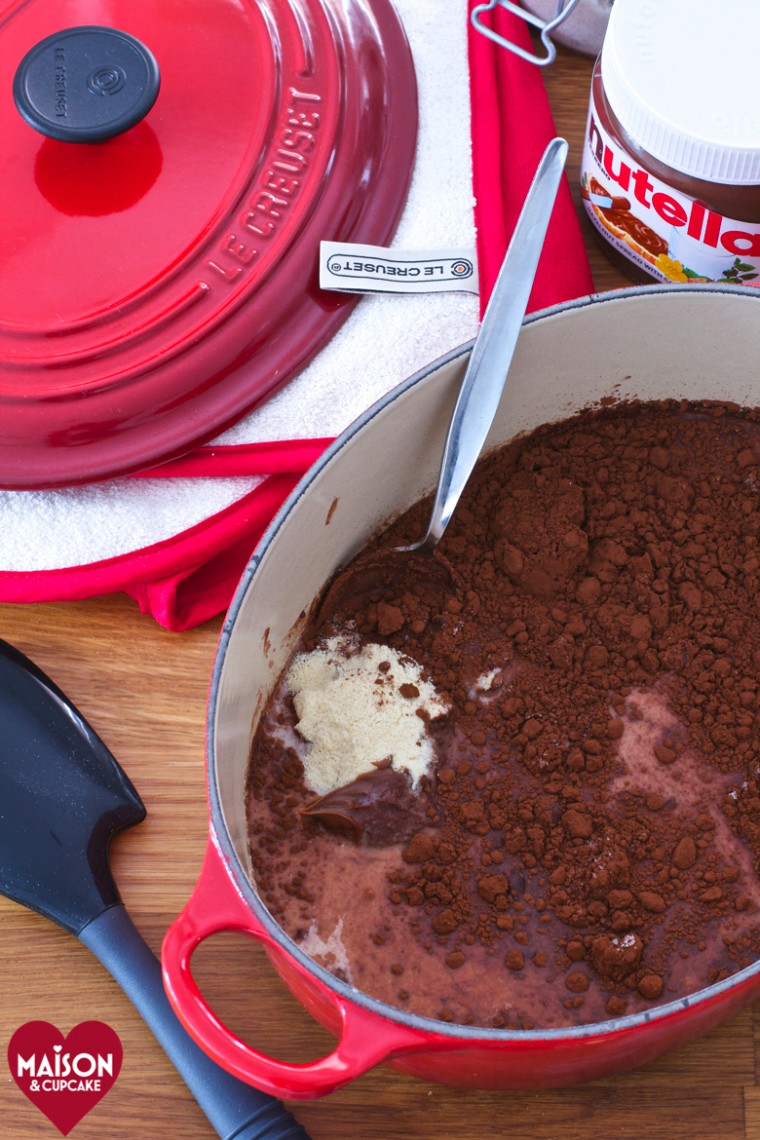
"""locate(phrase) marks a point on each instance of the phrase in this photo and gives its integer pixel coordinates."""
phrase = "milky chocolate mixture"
(586, 840)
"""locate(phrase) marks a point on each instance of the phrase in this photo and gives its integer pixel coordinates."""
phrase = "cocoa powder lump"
(537, 530)
(593, 827)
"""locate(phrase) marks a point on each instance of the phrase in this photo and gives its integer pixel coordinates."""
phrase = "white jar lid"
(681, 76)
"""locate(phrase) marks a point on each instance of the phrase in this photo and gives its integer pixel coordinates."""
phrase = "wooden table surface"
(144, 691)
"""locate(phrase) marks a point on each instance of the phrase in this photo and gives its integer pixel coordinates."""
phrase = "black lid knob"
(86, 84)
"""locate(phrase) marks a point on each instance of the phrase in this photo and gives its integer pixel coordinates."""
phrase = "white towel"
(386, 338)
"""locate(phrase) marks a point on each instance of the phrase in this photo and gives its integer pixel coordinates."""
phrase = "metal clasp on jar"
(562, 11)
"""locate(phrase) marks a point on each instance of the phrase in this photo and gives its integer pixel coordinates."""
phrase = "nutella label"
(671, 236)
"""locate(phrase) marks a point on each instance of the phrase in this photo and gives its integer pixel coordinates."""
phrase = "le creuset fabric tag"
(350, 267)
(65, 1077)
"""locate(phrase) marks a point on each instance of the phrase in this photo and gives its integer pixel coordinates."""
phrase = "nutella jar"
(670, 175)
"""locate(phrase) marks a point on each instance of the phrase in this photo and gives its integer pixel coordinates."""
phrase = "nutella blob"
(581, 838)
(677, 140)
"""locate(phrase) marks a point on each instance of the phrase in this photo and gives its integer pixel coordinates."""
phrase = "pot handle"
(366, 1038)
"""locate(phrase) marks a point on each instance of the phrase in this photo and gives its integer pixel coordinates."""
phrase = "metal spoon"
(475, 407)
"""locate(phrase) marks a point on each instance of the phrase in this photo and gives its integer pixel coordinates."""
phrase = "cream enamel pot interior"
(655, 342)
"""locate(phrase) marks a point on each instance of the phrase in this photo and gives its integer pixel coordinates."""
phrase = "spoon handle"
(494, 346)
(235, 1110)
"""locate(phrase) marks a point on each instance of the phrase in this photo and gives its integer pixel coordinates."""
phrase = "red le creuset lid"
(165, 184)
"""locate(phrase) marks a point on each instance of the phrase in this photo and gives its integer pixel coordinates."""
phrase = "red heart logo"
(64, 1076)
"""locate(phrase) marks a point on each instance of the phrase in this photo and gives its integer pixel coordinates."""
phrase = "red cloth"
(511, 126)
(189, 578)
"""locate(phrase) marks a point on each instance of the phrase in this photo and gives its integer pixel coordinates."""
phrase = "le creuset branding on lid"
(670, 174)
(158, 283)
(65, 1077)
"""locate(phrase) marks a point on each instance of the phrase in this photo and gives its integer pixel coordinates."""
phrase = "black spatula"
(62, 799)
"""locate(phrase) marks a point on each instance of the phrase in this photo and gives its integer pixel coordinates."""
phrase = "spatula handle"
(235, 1110)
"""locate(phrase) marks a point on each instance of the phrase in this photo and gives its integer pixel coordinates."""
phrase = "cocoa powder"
(593, 822)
